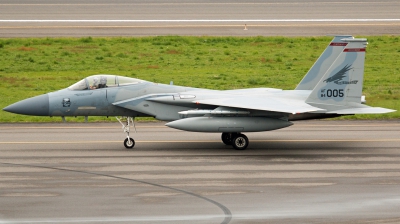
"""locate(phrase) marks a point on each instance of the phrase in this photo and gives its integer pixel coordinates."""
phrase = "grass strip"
(33, 66)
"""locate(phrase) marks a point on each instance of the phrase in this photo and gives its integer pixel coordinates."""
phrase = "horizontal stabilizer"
(364, 110)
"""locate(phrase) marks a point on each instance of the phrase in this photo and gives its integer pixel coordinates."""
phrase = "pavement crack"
(227, 212)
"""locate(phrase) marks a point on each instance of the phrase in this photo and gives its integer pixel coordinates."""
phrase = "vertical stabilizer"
(311, 79)
(342, 83)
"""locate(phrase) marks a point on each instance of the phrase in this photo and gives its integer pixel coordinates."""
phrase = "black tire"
(240, 142)
(226, 138)
(129, 146)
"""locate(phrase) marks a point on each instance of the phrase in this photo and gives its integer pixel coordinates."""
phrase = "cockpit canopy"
(103, 81)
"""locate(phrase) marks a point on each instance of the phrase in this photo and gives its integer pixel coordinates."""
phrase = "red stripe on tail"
(337, 44)
(354, 50)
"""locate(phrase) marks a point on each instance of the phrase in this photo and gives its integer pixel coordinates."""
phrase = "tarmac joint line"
(227, 212)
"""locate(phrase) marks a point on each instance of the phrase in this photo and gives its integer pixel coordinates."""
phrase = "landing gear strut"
(126, 123)
(238, 141)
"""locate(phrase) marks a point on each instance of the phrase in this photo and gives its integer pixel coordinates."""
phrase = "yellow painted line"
(162, 126)
(330, 140)
(69, 142)
(346, 125)
(196, 141)
(97, 127)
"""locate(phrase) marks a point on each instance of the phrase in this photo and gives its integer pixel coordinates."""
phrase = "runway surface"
(41, 18)
(311, 172)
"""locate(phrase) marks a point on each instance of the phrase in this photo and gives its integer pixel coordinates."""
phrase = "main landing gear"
(126, 123)
(238, 141)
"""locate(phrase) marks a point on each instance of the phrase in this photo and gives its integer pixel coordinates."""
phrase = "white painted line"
(143, 3)
(187, 20)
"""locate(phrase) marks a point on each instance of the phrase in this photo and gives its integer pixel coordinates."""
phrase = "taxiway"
(311, 172)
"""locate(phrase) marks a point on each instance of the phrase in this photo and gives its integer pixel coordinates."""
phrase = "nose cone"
(38, 106)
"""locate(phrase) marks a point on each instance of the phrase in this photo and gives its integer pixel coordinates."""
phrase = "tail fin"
(342, 84)
(311, 79)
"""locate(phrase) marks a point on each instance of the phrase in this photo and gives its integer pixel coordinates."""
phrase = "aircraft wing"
(274, 104)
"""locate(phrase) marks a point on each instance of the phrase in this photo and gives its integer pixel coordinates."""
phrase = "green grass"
(33, 66)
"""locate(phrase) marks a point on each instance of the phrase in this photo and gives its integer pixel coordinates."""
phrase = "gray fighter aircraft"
(332, 87)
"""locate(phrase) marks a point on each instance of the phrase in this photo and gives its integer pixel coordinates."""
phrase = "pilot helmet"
(95, 81)
(103, 80)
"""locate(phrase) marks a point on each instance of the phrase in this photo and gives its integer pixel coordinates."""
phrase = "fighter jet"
(332, 87)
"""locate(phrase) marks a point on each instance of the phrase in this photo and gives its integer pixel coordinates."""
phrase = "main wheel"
(226, 138)
(129, 145)
(240, 142)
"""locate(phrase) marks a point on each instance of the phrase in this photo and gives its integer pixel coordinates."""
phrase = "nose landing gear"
(127, 123)
(129, 143)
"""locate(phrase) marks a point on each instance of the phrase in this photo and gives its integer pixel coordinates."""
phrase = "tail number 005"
(333, 93)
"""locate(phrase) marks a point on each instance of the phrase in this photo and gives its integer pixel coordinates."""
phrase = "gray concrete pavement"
(211, 18)
(311, 172)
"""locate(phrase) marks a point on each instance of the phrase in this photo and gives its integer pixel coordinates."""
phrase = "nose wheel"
(129, 143)
(127, 123)
(238, 141)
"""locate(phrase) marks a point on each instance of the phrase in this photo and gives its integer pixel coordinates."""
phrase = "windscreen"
(81, 85)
